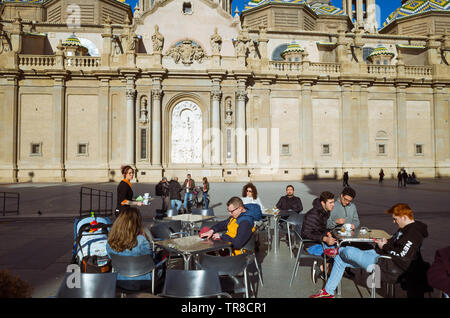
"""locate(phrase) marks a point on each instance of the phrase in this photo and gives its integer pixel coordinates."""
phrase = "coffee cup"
(347, 227)
(146, 195)
(145, 201)
(363, 230)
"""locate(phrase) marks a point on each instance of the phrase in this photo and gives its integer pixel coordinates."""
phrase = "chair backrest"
(191, 283)
(297, 219)
(224, 265)
(132, 266)
(161, 230)
(92, 285)
(173, 225)
(205, 212)
(250, 245)
(172, 212)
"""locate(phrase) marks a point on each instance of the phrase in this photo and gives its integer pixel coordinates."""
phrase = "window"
(82, 149)
(419, 150)
(143, 143)
(381, 149)
(285, 149)
(326, 149)
(36, 149)
(187, 8)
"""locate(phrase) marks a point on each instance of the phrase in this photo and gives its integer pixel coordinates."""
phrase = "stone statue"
(175, 54)
(158, 40)
(187, 52)
(117, 46)
(241, 42)
(216, 42)
(228, 112)
(252, 50)
(144, 111)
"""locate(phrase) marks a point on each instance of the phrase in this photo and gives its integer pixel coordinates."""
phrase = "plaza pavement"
(37, 247)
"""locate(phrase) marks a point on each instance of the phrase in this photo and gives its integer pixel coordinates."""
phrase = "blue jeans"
(186, 199)
(205, 202)
(177, 203)
(349, 257)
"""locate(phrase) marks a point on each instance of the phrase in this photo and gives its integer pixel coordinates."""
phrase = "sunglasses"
(249, 191)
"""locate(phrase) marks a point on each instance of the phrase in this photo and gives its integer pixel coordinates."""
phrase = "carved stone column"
(307, 125)
(156, 126)
(130, 116)
(401, 111)
(240, 127)
(215, 125)
(59, 97)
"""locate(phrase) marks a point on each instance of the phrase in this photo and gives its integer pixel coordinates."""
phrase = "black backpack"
(159, 189)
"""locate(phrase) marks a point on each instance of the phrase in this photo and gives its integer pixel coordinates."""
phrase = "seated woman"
(250, 195)
(128, 239)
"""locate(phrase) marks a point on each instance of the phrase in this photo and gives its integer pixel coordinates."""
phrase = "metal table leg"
(276, 235)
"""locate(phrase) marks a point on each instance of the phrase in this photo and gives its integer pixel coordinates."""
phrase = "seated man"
(314, 226)
(403, 247)
(239, 226)
(344, 210)
(290, 201)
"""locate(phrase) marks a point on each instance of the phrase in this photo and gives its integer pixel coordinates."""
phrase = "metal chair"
(92, 285)
(134, 266)
(163, 230)
(230, 266)
(293, 220)
(205, 212)
(303, 254)
(250, 251)
(192, 284)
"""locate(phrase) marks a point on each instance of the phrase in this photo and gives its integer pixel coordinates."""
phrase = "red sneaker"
(322, 294)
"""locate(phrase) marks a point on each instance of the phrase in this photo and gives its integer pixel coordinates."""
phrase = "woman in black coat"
(124, 190)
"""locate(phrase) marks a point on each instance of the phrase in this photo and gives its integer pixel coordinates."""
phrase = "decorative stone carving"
(144, 110)
(216, 42)
(130, 93)
(158, 40)
(187, 51)
(117, 46)
(157, 93)
(5, 45)
(241, 95)
(228, 112)
(186, 133)
(252, 50)
(216, 94)
(241, 42)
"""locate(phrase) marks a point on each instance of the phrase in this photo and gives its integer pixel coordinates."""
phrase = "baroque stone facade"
(286, 90)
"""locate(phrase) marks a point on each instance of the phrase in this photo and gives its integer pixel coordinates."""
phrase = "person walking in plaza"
(314, 227)
(404, 177)
(403, 247)
(399, 179)
(345, 179)
(175, 194)
(344, 210)
(127, 238)
(381, 174)
(205, 193)
(188, 186)
(162, 189)
(239, 227)
(125, 191)
(250, 195)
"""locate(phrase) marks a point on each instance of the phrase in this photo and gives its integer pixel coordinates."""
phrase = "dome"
(381, 50)
(72, 41)
(415, 7)
(292, 48)
(318, 8)
(256, 3)
(326, 9)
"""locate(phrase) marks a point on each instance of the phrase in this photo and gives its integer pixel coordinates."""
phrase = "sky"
(385, 7)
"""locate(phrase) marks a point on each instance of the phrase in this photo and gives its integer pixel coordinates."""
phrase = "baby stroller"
(90, 238)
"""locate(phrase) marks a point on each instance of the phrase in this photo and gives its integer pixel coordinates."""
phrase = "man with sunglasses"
(344, 210)
(238, 227)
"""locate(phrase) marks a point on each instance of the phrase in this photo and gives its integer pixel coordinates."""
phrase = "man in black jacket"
(403, 247)
(290, 201)
(175, 193)
(162, 189)
(314, 225)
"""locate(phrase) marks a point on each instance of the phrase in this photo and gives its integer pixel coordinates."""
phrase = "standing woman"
(250, 195)
(205, 192)
(124, 190)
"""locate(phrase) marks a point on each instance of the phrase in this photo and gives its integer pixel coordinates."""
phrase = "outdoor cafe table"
(192, 245)
(189, 220)
(356, 237)
(274, 218)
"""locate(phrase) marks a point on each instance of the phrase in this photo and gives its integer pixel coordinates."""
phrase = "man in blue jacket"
(239, 226)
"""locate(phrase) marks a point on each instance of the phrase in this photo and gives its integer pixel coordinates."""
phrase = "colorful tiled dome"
(381, 50)
(318, 8)
(72, 41)
(415, 7)
(326, 9)
(292, 48)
